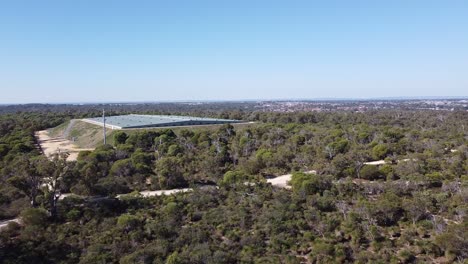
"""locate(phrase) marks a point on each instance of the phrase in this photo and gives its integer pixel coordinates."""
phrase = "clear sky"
(110, 50)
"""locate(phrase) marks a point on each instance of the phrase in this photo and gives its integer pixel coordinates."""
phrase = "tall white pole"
(104, 122)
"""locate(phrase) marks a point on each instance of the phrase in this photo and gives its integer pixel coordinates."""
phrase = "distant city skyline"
(147, 51)
(324, 99)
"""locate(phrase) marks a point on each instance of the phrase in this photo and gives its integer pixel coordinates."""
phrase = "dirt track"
(4, 224)
(282, 181)
(51, 146)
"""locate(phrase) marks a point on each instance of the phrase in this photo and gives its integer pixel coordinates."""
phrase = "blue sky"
(91, 51)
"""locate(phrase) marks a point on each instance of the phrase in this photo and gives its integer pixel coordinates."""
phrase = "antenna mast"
(104, 122)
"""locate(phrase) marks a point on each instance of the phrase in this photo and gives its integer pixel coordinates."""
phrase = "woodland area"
(411, 209)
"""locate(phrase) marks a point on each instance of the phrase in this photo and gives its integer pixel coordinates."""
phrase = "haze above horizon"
(122, 51)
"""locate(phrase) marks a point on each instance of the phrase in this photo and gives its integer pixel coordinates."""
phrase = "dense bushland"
(411, 209)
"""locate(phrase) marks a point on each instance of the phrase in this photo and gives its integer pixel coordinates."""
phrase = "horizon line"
(329, 99)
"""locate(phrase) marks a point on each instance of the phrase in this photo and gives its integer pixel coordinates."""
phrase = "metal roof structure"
(148, 121)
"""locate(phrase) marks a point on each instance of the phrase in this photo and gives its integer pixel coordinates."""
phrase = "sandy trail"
(377, 162)
(164, 192)
(282, 181)
(143, 193)
(4, 224)
(382, 162)
(51, 146)
(160, 192)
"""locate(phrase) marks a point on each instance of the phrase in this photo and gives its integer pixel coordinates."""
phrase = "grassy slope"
(88, 135)
(58, 130)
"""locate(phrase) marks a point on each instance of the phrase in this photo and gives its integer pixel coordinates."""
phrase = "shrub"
(34, 216)
(310, 183)
(370, 172)
(128, 222)
(73, 214)
(379, 151)
(120, 138)
(232, 177)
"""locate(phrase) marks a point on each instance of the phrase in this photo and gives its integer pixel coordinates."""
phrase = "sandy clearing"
(164, 192)
(143, 193)
(4, 224)
(382, 162)
(282, 181)
(377, 162)
(161, 192)
(53, 145)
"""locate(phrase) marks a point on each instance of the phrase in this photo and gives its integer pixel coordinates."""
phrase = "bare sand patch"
(4, 224)
(160, 192)
(377, 162)
(283, 180)
(52, 145)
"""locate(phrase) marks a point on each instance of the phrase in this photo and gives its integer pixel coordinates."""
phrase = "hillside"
(85, 135)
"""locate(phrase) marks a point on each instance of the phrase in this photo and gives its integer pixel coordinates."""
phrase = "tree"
(142, 161)
(144, 139)
(27, 177)
(120, 137)
(174, 149)
(358, 156)
(338, 146)
(416, 207)
(387, 209)
(89, 177)
(173, 258)
(310, 183)
(233, 177)
(379, 151)
(3, 150)
(122, 168)
(128, 222)
(54, 173)
(455, 241)
(370, 172)
(169, 172)
(164, 141)
(34, 217)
